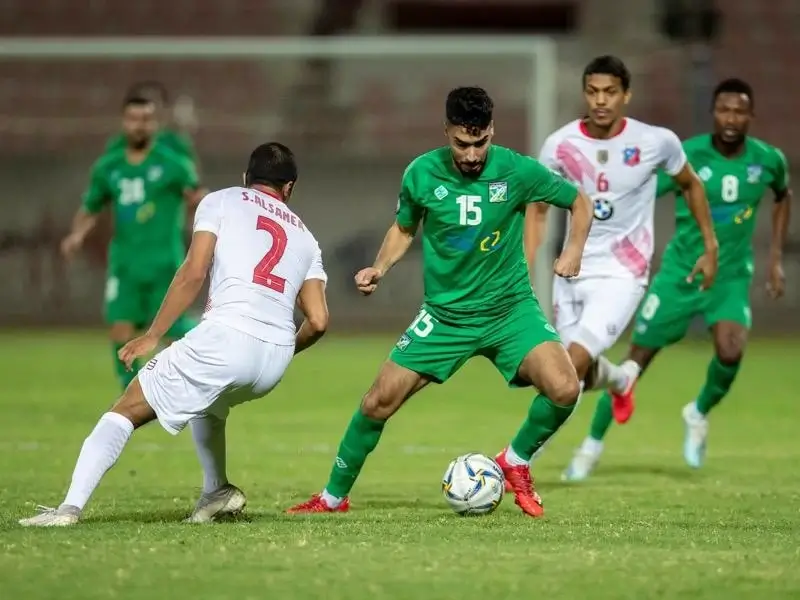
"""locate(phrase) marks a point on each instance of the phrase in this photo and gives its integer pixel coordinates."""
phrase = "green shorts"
(130, 300)
(438, 349)
(670, 305)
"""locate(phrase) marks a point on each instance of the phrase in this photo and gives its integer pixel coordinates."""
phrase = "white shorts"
(211, 369)
(594, 312)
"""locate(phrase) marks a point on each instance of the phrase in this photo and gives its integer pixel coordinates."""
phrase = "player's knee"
(563, 386)
(121, 333)
(730, 353)
(379, 403)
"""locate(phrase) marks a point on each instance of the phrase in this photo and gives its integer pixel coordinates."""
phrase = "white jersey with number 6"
(264, 254)
(619, 175)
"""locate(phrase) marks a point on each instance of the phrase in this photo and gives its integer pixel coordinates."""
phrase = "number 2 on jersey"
(262, 274)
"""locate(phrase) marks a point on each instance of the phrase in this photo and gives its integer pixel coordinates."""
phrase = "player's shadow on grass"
(680, 473)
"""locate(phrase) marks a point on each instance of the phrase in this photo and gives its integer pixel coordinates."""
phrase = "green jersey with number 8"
(474, 266)
(734, 187)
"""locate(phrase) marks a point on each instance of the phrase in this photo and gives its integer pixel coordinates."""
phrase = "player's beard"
(471, 173)
(139, 143)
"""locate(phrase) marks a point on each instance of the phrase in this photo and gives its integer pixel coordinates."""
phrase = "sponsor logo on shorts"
(403, 342)
(151, 364)
(611, 329)
(498, 191)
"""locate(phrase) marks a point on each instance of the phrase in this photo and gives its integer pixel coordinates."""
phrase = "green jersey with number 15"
(734, 187)
(473, 261)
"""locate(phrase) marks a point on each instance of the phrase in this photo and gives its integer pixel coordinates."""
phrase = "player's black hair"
(149, 88)
(734, 85)
(469, 107)
(609, 65)
(135, 101)
(271, 164)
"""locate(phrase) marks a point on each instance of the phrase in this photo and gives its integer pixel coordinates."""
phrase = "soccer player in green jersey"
(167, 134)
(738, 170)
(470, 197)
(147, 187)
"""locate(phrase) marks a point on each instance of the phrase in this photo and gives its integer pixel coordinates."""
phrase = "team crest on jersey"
(631, 156)
(440, 192)
(754, 173)
(154, 173)
(602, 156)
(498, 191)
(403, 342)
(704, 173)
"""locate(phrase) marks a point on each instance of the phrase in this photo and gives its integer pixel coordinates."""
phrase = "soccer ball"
(473, 484)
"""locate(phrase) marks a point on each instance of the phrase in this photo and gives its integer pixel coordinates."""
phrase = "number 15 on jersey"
(469, 210)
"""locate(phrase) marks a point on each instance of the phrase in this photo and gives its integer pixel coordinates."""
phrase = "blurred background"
(354, 121)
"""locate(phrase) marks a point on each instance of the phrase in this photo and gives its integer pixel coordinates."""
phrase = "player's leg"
(124, 311)
(729, 316)
(662, 319)
(526, 350)
(98, 454)
(428, 351)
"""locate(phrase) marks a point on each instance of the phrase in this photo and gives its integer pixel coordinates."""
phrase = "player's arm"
(535, 228)
(193, 192)
(192, 273)
(314, 305)
(676, 165)
(548, 187)
(397, 240)
(781, 213)
(87, 216)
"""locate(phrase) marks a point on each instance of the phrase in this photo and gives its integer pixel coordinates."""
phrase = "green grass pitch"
(644, 527)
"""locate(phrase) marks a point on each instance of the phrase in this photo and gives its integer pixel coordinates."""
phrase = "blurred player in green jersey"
(471, 197)
(738, 170)
(170, 133)
(147, 186)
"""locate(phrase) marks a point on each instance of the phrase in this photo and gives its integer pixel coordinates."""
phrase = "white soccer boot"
(584, 461)
(694, 444)
(63, 516)
(227, 501)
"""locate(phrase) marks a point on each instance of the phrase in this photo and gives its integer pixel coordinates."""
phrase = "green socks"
(359, 440)
(544, 419)
(719, 379)
(123, 375)
(602, 418)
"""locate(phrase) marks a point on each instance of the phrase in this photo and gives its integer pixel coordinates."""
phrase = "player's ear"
(627, 97)
(491, 128)
(287, 190)
(244, 179)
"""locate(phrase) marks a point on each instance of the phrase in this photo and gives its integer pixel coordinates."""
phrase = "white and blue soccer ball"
(473, 484)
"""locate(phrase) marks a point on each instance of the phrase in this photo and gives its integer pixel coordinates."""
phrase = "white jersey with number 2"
(245, 342)
(619, 175)
(264, 254)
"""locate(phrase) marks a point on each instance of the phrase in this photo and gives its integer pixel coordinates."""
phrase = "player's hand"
(367, 280)
(136, 348)
(568, 265)
(706, 266)
(71, 244)
(776, 282)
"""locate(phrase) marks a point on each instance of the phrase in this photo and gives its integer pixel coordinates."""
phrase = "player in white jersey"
(614, 159)
(263, 261)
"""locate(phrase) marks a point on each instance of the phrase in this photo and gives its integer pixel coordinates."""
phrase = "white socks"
(513, 458)
(616, 377)
(208, 433)
(330, 500)
(98, 454)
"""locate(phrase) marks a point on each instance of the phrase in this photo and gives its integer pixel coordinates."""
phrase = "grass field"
(645, 527)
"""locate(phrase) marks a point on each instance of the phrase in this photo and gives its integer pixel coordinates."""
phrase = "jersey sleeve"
(547, 154)
(665, 185)
(208, 216)
(672, 157)
(97, 194)
(781, 181)
(543, 184)
(317, 270)
(409, 212)
(188, 179)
